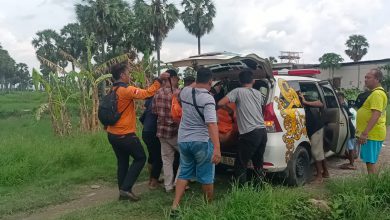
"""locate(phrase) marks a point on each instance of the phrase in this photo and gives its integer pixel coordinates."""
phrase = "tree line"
(356, 48)
(115, 27)
(106, 32)
(12, 74)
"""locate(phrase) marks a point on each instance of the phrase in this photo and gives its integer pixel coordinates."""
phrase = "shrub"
(351, 94)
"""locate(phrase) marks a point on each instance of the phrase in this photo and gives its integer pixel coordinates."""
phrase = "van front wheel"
(299, 167)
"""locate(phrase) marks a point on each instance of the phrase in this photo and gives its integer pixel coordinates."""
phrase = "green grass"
(38, 165)
(249, 203)
(39, 169)
(20, 103)
(366, 197)
(230, 203)
(34, 162)
(153, 205)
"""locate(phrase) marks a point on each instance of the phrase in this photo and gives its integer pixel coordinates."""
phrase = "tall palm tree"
(46, 44)
(198, 17)
(105, 19)
(357, 47)
(73, 37)
(330, 61)
(160, 17)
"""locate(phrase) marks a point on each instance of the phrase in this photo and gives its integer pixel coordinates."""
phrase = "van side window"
(310, 92)
(330, 97)
(286, 89)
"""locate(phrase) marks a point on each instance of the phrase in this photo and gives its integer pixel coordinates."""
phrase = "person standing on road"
(167, 128)
(122, 135)
(250, 121)
(315, 130)
(198, 137)
(371, 120)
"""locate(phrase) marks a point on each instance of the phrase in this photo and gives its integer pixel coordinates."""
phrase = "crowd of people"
(183, 129)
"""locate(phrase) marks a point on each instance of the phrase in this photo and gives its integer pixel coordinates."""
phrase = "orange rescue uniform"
(127, 123)
(227, 121)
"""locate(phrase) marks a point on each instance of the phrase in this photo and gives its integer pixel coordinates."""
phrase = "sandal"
(347, 166)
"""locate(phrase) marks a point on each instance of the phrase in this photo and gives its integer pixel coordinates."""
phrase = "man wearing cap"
(167, 128)
(217, 91)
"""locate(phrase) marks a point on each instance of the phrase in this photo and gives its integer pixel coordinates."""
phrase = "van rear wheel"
(299, 167)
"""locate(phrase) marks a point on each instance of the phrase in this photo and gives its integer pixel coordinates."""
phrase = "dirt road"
(384, 162)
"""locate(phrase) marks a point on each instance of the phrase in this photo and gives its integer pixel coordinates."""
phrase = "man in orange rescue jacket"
(122, 135)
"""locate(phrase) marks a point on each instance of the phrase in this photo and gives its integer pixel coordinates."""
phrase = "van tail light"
(270, 120)
(268, 164)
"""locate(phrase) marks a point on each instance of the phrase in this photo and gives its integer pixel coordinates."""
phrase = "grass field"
(352, 198)
(36, 163)
(39, 169)
(20, 103)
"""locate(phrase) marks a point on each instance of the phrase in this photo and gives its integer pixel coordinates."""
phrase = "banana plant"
(85, 82)
(58, 97)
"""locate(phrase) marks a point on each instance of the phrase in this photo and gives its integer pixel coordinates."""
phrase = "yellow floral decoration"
(294, 121)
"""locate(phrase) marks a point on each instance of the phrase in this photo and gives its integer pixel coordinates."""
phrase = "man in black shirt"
(315, 131)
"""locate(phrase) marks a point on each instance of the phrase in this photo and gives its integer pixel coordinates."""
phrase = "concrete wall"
(349, 74)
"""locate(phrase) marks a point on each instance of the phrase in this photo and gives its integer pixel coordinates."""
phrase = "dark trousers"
(251, 146)
(125, 146)
(154, 148)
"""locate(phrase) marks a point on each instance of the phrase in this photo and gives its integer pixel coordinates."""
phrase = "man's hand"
(213, 133)
(164, 76)
(363, 138)
(216, 157)
(302, 97)
(176, 93)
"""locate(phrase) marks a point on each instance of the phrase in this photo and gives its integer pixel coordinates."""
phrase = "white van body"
(288, 145)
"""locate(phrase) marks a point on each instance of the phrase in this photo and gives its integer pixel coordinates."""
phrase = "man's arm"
(137, 93)
(230, 97)
(223, 101)
(214, 136)
(316, 104)
(371, 123)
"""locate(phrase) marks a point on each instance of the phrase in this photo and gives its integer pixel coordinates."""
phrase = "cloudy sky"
(265, 27)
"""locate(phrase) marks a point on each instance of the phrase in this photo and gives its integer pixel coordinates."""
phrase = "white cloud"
(20, 50)
(313, 27)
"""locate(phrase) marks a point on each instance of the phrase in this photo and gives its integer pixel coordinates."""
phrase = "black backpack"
(362, 97)
(108, 108)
